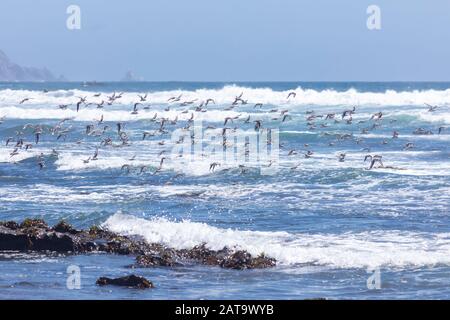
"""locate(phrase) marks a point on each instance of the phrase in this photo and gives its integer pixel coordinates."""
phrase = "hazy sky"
(231, 39)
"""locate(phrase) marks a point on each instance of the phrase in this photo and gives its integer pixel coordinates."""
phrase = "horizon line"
(234, 81)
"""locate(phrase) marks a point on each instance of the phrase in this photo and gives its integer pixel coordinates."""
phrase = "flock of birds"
(118, 137)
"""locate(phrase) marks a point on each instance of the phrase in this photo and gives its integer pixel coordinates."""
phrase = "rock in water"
(36, 235)
(131, 281)
(63, 226)
(146, 261)
(37, 239)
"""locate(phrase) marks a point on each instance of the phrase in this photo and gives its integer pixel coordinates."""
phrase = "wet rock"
(33, 223)
(36, 235)
(36, 240)
(124, 245)
(146, 261)
(262, 261)
(207, 256)
(10, 225)
(52, 241)
(64, 227)
(99, 232)
(10, 239)
(131, 281)
(227, 258)
(241, 260)
(237, 260)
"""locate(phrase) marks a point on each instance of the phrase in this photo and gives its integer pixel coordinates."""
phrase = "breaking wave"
(347, 250)
(253, 95)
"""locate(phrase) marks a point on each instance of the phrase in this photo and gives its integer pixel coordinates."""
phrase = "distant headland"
(10, 71)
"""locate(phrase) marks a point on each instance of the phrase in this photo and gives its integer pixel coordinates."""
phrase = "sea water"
(330, 224)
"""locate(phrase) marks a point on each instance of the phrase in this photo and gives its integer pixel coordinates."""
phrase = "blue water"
(326, 221)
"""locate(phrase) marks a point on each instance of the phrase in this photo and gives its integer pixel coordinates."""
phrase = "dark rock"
(64, 227)
(33, 223)
(131, 281)
(53, 241)
(10, 225)
(241, 260)
(227, 258)
(13, 240)
(36, 235)
(262, 261)
(207, 256)
(237, 260)
(37, 240)
(166, 260)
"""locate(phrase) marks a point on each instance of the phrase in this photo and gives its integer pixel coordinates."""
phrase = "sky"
(231, 40)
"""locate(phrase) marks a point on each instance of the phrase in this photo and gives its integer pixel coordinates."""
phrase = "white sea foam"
(34, 113)
(5, 154)
(227, 94)
(346, 250)
(45, 105)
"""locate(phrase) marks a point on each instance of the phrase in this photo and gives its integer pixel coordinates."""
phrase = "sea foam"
(347, 250)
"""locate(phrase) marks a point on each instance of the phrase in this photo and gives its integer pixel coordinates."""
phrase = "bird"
(431, 108)
(135, 110)
(227, 119)
(86, 161)
(308, 154)
(409, 146)
(291, 94)
(24, 100)
(100, 105)
(78, 105)
(143, 98)
(212, 166)
(37, 137)
(348, 112)
(258, 124)
(286, 116)
(373, 159)
(125, 167)
(175, 99)
(41, 165)
(95, 156)
(377, 116)
(208, 101)
(14, 152)
(119, 127)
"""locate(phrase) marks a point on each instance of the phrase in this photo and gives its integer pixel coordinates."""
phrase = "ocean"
(338, 229)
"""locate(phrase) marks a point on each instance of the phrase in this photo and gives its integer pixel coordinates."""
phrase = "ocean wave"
(347, 250)
(227, 94)
(112, 115)
(6, 157)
